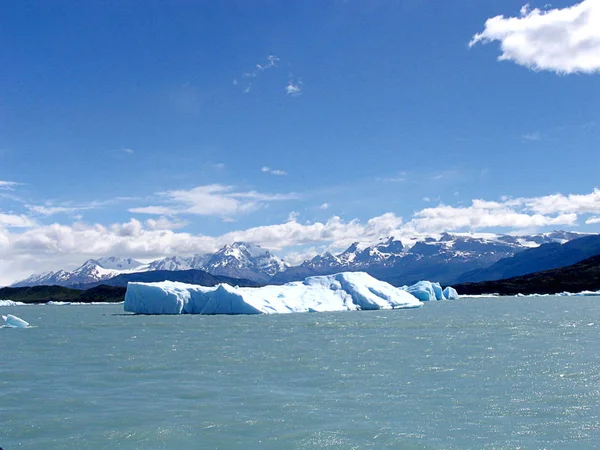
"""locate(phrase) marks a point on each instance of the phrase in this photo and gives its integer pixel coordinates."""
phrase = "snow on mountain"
(116, 263)
(444, 257)
(243, 260)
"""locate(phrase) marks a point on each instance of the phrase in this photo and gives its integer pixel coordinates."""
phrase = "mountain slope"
(444, 258)
(545, 257)
(242, 260)
(192, 276)
(582, 276)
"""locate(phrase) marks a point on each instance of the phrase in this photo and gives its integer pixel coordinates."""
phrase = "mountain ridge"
(444, 257)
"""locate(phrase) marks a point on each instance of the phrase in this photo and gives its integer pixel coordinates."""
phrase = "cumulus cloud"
(15, 221)
(481, 215)
(324, 206)
(592, 220)
(266, 169)
(209, 200)
(29, 247)
(563, 40)
(559, 203)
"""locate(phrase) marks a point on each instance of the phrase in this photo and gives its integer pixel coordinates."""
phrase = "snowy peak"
(170, 263)
(242, 260)
(116, 263)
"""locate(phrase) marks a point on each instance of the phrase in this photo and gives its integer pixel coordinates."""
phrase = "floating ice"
(14, 321)
(340, 292)
(450, 293)
(10, 303)
(423, 290)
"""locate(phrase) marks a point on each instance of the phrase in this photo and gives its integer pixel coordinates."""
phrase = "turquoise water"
(484, 373)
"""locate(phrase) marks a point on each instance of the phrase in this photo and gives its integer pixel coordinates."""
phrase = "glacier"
(347, 291)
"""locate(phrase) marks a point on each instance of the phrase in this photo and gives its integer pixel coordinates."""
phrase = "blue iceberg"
(14, 321)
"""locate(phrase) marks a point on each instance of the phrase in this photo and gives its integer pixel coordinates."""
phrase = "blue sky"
(153, 128)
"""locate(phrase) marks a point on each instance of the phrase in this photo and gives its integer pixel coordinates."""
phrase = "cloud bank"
(28, 246)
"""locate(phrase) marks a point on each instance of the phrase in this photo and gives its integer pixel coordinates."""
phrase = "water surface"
(479, 373)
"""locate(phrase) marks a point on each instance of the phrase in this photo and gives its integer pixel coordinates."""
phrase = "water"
(485, 373)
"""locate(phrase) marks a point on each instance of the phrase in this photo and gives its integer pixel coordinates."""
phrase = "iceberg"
(10, 303)
(349, 291)
(14, 321)
(426, 291)
(450, 293)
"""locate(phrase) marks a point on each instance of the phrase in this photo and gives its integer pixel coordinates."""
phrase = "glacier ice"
(340, 292)
(425, 291)
(450, 293)
(14, 321)
(10, 303)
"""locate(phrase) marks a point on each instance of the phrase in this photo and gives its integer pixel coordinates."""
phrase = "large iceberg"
(341, 292)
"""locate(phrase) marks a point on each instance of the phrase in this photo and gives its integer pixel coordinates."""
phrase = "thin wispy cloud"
(271, 63)
(564, 40)
(324, 206)
(266, 169)
(532, 137)
(129, 151)
(8, 185)
(210, 200)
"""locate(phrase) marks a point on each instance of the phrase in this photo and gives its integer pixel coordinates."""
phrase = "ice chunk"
(10, 303)
(340, 292)
(437, 290)
(14, 321)
(423, 290)
(450, 293)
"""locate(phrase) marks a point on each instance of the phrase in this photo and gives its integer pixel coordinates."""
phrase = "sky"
(156, 128)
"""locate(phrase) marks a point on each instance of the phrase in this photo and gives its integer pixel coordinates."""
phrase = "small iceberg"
(14, 321)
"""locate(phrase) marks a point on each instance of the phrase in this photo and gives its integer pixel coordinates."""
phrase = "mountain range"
(445, 258)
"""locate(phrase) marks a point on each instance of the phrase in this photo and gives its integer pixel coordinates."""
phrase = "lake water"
(473, 373)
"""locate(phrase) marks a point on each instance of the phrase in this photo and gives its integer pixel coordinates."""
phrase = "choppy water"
(485, 373)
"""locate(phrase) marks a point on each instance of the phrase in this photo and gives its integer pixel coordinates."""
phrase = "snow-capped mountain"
(90, 271)
(242, 260)
(238, 260)
(443, 258)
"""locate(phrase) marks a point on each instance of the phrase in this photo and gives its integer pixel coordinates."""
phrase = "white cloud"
(8, 185)
(482, 215)
(559, 40)
(266, 169)
(15, 221)
(592, 220)
(210, 200)
(164, 223)
(30, 247)
(559, 203)
(129, 151)
(294, 88)
(52, 210)
(324, 206)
